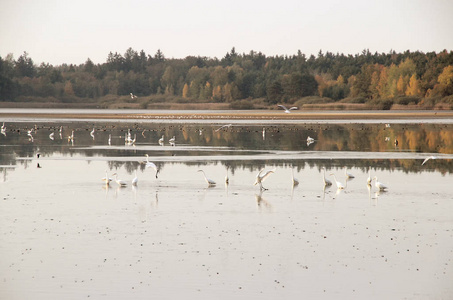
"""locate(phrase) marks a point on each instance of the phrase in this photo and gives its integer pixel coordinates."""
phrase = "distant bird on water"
(287, 110)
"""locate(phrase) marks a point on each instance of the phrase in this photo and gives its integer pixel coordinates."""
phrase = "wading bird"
(106, 179)
(151, 165)
(380, 185)
(347, 174)
(368, 180)
(327, 182)
(287, 110)
(260, 177)
(133, 96)
(209, 181)
(135, 180)
(340, 186)
(119, 181)
(161, 141)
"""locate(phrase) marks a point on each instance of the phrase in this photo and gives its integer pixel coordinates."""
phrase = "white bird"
(119, 181)
(340, 186)
(161, 141)
(3, 129)
(327, 182)
(51, 135)
(151, 165)
(209, 181)
(264, 133)
(287, 110)
(224, 126)
(106, 179)
(135, 180)
(92, 133)
(428, 158)
(110, 139)
(368, 180)
(132, 141)
(347, 174)
(260, 177)
(71, 137)
(380, 185)
(172, 141)
(310, 140)
(133, 96)
(294, 180)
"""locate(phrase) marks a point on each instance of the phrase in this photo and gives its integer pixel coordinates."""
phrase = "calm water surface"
(65, 235)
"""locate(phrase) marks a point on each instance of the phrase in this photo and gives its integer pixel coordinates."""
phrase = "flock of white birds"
(260, 177)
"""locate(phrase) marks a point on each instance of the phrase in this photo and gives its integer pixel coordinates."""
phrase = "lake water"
(64, 234)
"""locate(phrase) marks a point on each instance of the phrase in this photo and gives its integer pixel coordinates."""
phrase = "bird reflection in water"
(262, 202)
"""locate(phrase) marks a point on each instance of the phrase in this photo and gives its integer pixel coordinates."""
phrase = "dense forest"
(253, 80)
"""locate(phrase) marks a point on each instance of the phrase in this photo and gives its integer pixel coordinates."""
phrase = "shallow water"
(64, 234)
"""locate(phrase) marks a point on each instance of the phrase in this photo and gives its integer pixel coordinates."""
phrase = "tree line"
(404, 78)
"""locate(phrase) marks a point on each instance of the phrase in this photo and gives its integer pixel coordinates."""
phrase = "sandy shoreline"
(238, 115)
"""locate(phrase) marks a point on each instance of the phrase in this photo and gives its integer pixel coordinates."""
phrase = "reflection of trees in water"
(426, 138)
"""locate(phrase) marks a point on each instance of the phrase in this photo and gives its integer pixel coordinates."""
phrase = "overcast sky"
(61, 31)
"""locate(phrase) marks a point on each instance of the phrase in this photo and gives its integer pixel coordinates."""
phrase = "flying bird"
(428, 158)
(224, 126)
(260, 177)
(287, 110)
